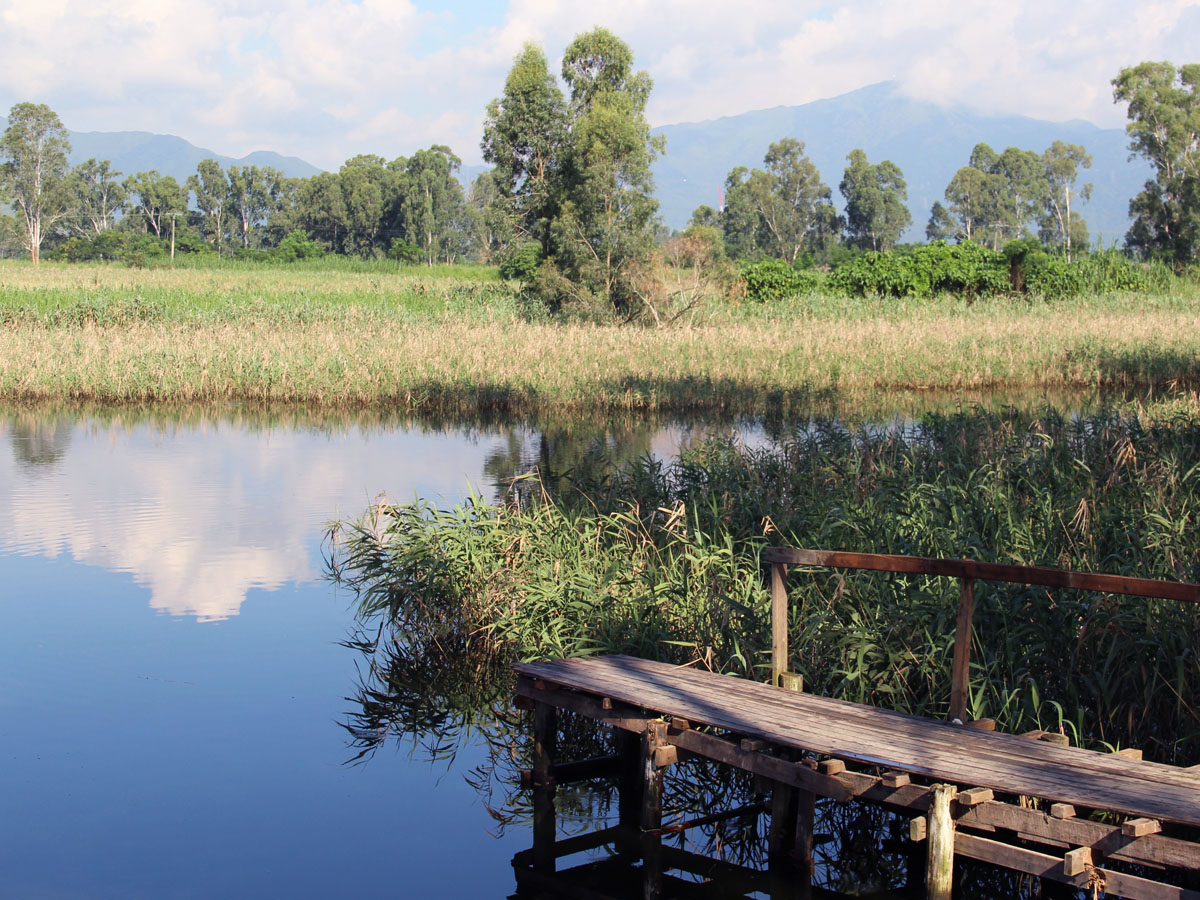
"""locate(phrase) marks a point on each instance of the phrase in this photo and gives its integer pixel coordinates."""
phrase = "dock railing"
(967, 571)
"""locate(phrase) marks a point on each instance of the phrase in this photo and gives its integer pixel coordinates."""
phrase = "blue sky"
(327, 79)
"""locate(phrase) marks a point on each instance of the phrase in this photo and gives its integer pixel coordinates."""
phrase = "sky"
(327, 79)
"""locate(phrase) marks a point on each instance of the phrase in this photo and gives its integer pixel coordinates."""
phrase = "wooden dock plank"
(868, 735)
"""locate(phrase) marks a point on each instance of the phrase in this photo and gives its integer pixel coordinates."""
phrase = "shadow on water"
(38, 443)
(423, 680)
(436, 696)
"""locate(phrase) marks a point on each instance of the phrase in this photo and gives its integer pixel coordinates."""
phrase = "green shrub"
(966, 269)
(296, 245)
(521, 263)
(1032, 270)
(1112, 270)
(404, 252)
(773, 279)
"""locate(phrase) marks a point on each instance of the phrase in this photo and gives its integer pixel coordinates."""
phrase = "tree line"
(568, 204)
(413, 208)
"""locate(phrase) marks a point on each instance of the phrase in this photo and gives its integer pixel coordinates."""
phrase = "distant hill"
(140, 151)
(928, 142)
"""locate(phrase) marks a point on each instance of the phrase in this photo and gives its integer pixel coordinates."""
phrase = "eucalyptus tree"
(739, 220)
(604, 224)
(431, 203)
(792, 202)
(876, 195)
(96, 196)
(368, 194)
(1059, 224)
(320, 209)
(999, 197)
(1164, 128)
(159, 201)
(254, 194)
(33, 174)
(489, 219)
(523, 138)
(210, 186)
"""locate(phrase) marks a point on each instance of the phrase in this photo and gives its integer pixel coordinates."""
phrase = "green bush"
(404, 252)
(296, 245)
(938, 268)
(773, 279)
(1032, 270)
(1112, 270)
(521, 263)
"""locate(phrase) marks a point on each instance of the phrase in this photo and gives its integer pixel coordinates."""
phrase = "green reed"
(664, 561)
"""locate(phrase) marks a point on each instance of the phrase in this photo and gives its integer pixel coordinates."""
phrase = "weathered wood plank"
(960, 676)
(970, 568)
(1043, 865)
(888, 739)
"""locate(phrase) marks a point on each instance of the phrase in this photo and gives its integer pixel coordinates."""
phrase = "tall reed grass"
(663, 561)
(449, 345)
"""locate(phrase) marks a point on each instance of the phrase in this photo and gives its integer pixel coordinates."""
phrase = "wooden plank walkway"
(928, 748)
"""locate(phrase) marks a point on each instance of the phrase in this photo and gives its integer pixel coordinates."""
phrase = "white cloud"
(327, 79)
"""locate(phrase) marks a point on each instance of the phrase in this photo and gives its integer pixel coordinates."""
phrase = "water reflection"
(205, 506)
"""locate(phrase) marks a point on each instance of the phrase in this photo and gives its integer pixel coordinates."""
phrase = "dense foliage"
(1164, 127)
(664, 562)
(568, 208)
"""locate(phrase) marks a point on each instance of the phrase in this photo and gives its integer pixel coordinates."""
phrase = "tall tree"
(33, 174)
(790, 199)
(96, 196)
(253, 196)
(160, 199)
(876, 210)
(523, 138)
(210, 187)
(1060, 225)
(321, 210)
(369, 194)
(993, 199)
(604, 224)
(1164, 127)
(489, 220)
(432, 206)
(739, 218)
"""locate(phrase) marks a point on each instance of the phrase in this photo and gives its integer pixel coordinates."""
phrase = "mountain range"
(141, 151)
(927, 141)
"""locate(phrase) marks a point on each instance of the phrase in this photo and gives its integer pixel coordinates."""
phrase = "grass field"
(453, 341)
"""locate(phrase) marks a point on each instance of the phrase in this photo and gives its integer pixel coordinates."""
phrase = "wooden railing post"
(960, 686)
(779, 621)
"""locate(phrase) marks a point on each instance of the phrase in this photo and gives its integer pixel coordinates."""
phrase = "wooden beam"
(960, 678)
(1021, 859)
(779, 621)
(939, 872)
(1140, 827)
(1106, 841)
(969, 568)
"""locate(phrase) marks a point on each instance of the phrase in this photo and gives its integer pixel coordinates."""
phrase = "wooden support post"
(781, 837)
(960, 685)
(545, 737)
(779, 621)
(939, 874)
(629, 790)
(653, 739)
(806, 818)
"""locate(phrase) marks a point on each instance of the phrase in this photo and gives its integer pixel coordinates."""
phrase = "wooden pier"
(1023, 802)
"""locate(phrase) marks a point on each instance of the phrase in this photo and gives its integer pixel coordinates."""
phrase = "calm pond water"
(172, 685)
(176, 699)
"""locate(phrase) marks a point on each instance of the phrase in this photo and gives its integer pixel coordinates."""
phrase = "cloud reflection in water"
(203, 512)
